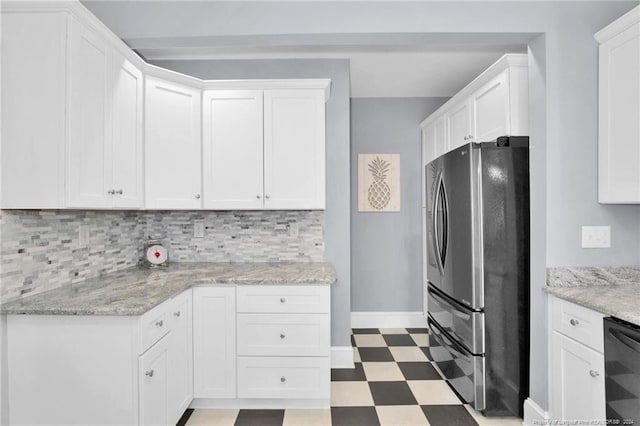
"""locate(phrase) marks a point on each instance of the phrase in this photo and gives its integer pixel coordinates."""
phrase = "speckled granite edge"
(620, 301)
(588, 276)
(137, 290)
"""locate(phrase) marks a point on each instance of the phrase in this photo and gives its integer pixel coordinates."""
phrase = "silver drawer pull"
(574, 322)
(159, 323)
(176, 314)
(594, 373)
(283, 379)
(282, 336)
(282, 300)
(149, 373)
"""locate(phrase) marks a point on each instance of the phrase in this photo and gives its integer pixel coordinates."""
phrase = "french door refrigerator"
(478, 272)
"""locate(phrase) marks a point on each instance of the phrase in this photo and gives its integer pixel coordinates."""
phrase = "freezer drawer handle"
(454, 310)
(452, 344)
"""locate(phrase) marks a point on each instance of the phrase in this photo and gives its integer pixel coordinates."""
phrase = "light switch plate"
(596, 236)
(198, 229)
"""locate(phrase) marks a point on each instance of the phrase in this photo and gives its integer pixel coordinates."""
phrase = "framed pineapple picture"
(379, 182)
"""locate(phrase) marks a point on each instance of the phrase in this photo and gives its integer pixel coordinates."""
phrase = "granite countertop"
(135, 291)
(612, 290)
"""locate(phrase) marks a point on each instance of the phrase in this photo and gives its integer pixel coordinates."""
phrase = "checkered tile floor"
(393, 383)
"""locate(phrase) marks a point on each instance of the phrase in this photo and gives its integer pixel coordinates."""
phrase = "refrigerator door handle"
(440, 223)
(434, 219)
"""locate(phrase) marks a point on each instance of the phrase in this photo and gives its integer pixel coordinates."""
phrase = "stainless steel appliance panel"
(462, 369)
(622, 371)
(461, 323)
(450, 229)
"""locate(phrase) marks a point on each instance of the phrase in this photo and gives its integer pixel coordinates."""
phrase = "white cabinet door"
(153, 384)
(173, 154)
(33, 113)
(214, 342)
(180, 374)
(294, 149)
(232, 149)
(458, 124)
(88, 118)
(440, 137)
(124, 158)
(490, 108)
(619, 118)
(577, 381)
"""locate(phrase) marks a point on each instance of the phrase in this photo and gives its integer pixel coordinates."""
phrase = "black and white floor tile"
(393, 383)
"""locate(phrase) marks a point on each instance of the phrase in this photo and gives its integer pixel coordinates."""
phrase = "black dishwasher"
(622, 371)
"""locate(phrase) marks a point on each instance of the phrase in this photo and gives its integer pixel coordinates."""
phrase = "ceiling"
(382, 65)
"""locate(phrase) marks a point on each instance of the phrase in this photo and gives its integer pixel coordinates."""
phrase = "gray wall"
(386, 248)
(336, 219)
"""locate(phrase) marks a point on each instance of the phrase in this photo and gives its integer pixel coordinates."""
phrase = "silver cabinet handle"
(574, 322)
(197, 196)
(466, 137)
(282, 300)
(159, 323)
(119, 192)
(283, 379)
(258, 197)
(111, 191)
(149, 373)
(282, 336)
(470, 137)
(594, 373)
(267, 196)
(176, 314)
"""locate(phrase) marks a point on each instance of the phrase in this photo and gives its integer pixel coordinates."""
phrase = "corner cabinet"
(619, 111)
(270, 143)
(80, 369)
(576, 386)
(173, 166)
(104, 136)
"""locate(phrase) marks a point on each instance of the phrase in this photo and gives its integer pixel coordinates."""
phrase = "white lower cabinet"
(577, 363)
(92, 369)
(284, 342)
(214, 342)
(153, 384)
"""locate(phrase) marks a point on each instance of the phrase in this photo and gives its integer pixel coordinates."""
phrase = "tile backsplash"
(40, 250)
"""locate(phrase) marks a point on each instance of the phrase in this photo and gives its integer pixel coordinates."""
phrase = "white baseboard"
(388, 320)
(533, 414)
(260, 404)
(342, 357)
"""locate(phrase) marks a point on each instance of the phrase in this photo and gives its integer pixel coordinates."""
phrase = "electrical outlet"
(198, 229)
(293, 230)
(596, 236)
(83, 235)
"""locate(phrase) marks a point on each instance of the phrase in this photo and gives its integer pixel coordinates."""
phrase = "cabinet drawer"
(283, 299)
(579, 323)
(294, 378)
(283, 334)
(152, 326)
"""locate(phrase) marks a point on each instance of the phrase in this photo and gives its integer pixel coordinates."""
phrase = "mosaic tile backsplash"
(40, 250)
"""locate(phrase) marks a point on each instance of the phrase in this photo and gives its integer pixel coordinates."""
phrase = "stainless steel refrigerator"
(478, 272)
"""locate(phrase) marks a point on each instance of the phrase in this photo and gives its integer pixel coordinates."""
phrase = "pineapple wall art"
(379, 182)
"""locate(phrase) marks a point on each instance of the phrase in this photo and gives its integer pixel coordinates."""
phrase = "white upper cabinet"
(232, 148)
(270, 144)
(458, 124)
(124, 162)
(104, 142)
(87, 117)
(33, 113)
(619, 111)
(294, 149)
(494, 104)
(173, 146)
